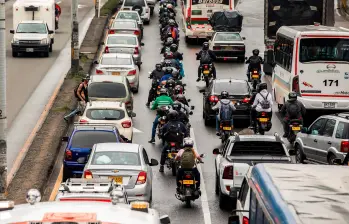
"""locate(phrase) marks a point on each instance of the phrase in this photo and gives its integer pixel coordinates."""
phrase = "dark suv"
(239, 93)
(80, 143)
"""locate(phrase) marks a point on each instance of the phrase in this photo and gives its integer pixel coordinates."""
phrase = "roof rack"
(80, 185)
(343, 115)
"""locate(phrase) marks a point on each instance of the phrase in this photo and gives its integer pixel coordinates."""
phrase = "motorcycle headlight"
(15, 41)
(43, 41)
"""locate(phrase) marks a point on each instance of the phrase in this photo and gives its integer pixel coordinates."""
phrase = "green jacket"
(162, 101)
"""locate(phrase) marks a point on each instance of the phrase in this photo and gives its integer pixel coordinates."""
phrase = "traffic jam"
(222, 129)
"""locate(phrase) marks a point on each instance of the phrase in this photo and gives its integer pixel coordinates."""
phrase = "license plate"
(115, 73)
(263, 119)
(227, 128)
(188, 182)
(329, 105)
(228, 48)
(255, 76)
(29, 50)
(118, 180)
(206, 72)
(296, 128)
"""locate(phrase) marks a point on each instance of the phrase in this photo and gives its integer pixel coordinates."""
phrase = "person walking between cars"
(80, 93)
(292, 109)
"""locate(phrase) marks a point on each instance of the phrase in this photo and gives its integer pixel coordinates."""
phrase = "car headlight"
(43, 41)
(15, 41)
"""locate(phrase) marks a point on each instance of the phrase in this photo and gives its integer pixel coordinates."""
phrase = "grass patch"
(65, 108)
(109, 7)
(83, 58)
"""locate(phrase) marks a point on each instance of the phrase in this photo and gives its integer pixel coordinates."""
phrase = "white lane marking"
(336, 7)
(204, 201)
(81, 6)
(135, 130)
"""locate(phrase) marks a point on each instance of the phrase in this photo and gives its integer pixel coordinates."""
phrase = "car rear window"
(227, 37)
(342, 130)
(128, 15)
(86, 139)
(127, 40)
(234, 88)
(134, 2)
(105, 114)
(257, 148)
(119, 24)
(107, 90)
(116, 158)
(116, 61)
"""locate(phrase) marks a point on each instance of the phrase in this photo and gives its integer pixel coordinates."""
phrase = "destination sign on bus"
(223, 2)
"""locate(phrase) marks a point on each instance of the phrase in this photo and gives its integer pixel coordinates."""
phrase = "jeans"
(79, 109)
(217, 123)
(213, 71)
(163, 154)
(155, 124)
(180, 174)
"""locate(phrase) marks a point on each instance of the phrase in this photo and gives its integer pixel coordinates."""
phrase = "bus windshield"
(324, 49)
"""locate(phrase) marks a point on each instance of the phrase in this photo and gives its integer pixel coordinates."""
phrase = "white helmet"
(188, 142)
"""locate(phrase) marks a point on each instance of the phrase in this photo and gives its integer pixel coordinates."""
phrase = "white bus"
(196, 14)
(314, 62)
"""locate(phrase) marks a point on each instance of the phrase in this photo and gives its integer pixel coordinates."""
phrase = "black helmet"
(255, 52)
(154, 83)
(224, 95)
(169, 41)
(175, 75)
(173, 47)
(180, 98)
(292, 96)
(158, 67)
(178, 89)
(170, 83)
(262, 86)
(168, 70)
(177, 106)
(172, 15)
(205, 46)
(168, 55)
(171, 22)
(163, 91)
(172, 115)
(169, 34)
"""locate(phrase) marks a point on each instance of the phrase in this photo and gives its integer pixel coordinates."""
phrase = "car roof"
(116, 55)
(110, 78)
(94, 127)
(338, 116)
(127, 11)
(122, 35)
(105, 104)
(249, 138)
(226, 32)
(111, 146)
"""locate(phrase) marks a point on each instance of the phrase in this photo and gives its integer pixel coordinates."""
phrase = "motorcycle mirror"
(191, 113)
(192, 107)
(188, 100)
(202, 155)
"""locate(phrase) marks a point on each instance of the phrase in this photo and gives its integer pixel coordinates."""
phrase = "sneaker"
(198, 79)
(147, 104)
(218, 133)
(161, 170)
(152, 140)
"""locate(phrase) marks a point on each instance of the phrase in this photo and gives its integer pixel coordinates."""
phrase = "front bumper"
(229, 54)
(34, 48)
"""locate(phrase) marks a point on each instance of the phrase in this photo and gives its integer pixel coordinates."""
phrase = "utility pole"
(75, 65)
(3, 118)
(97, 7)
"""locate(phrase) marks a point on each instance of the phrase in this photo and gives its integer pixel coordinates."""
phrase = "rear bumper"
(317, 103)
(36, 48)
(138, 193)
(229, 54)
(198, 34)
(74, 168)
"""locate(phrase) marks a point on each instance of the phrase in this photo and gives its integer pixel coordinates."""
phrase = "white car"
(138, 5)
(109, 113)
(119, 64)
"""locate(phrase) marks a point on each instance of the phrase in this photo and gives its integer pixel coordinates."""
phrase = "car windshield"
(257, 148)
(227, 37)
(125, 40)
(86, 139)
(234, 88)
(31, 28)
(105, 114)
(124, 24)
(324, 49)
(106, 90)
(128, 15)
(116, 61)
(342, 130)
(134, 2)
(116, 158)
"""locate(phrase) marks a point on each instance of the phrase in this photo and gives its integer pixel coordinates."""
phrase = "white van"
(33, 26)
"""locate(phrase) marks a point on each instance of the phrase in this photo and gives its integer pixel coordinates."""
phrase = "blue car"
(80, 143)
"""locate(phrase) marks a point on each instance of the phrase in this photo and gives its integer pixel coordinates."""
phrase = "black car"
(239, 92)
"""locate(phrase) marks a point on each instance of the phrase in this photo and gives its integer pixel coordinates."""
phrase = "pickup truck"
(237, 155)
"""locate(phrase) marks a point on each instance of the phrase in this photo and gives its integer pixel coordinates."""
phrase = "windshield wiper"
(110, 118)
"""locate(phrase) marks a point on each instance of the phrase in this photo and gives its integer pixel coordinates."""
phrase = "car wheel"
(66, 175)
(151, 196)
(223, 200)
(14, 54)
(279, 107)
(187, 40)
(46, 54)
(299, 154)
(330, 158)
(147, 22)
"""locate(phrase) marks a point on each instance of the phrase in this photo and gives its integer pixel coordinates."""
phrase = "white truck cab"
(33, 26)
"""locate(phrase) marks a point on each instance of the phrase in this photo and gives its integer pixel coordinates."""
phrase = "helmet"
(180, 98)
(163, 91)
(224, 95)
(255, 52)
(172, 15)
(171, 22)
(167, 63)
(169, 40)
(292, 96)
(168, 55)
(172, 115)
(177, 106)
(188, 142)
(173, 47)
(262, 86)
(178, 89)
(168, 70)
(158, 67)
(175, 75)
(169, 34)
(205, 46)
(169, 6)
(170, 83)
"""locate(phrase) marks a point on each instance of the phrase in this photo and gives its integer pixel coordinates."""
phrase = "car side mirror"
(304, 130)
(337, 161)
(50, 32)
(95, 62)
(142, 44)
(153, 162)
(216, 151)
(133, 114)
(81, 160)
(234, 219)
(165, 219)
(244, 38)
(12, 31)
(65, 139)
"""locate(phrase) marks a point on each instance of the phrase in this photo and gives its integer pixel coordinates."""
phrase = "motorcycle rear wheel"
(188, 203)
(174, 169)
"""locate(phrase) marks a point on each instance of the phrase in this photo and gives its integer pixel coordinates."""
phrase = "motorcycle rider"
(162, 100)
(262, 103)
(254, 62)
(157, 73)
(187, 157)
(250, 102)
(167, 44)
(173, 29)
(181, 98)
(152, 91)
(168, 74)
(206, 56)
(182, 116)
(172, 131)
(226, 109)
(292, 109)
(176, 55)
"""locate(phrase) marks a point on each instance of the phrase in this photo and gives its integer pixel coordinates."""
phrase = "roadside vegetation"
(109, 8)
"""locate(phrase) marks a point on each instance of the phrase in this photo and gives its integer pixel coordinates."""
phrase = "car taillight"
(88, 174)
(132, 72)
(345, 146)
(136, 51)
(83, 121)
(68, 154)
(111, 31)
(216, 48)
(295, 84)
(263, 114)
(213, 99)
(142, 178)
(99, 72)
(245, 220)
(228, 172)
(106, 50)
(246, 100)
(136, 32)
(173, 144)
(126, 124)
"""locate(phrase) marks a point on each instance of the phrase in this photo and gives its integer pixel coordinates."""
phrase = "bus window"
(196, 12)
(284, 52)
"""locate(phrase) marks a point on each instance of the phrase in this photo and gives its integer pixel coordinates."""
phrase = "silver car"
(128, 164)
(124, 43)
(326, 140)
(126, 26)
(121, 15)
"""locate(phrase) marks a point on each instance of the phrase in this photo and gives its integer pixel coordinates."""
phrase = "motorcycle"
(225, 130)
(171, 155)
(206, 71)
(255, 78)
(188, 191)
(295, 127)
(263, 123)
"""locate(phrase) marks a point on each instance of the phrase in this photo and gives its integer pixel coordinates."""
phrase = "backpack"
(205, 57)
(188, 159)
(226, 112)
(265, 104)
(293, 110)
(173, 133)
(254, 60)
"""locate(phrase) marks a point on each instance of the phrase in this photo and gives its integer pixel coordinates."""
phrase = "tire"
(174, 169)
(151, 12)
(279, 107)
(14, 54)
(188, 203)
(50, 49)
(207, 81)
(151, 197)
(203, 114)
(66, 175)
(46, 54)
(147, 22)
(187, 40)
(261, 131)
(139, 67)
(137, 88)
(217, 184)
(223, 200)
(299, 157)
(330, 159)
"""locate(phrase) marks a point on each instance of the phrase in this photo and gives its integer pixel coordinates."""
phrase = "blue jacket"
(166, 77)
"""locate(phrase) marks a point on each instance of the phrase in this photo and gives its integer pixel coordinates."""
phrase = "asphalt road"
(26, 72)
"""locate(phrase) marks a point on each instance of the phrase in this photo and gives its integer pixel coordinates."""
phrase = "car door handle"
(315, 140)
(329, 142)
